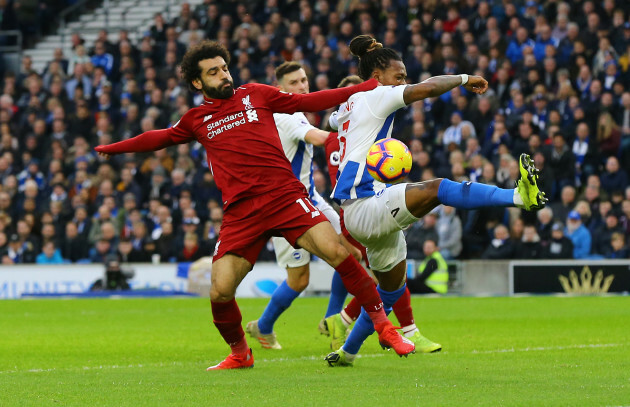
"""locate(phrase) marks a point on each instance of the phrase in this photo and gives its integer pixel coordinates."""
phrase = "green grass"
(497, 351)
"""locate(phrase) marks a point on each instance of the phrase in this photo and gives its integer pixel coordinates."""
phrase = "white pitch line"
(547, 348)
(319, 358)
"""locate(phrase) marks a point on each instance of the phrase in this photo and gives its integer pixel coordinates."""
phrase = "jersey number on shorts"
(304, 206)
(395, 212)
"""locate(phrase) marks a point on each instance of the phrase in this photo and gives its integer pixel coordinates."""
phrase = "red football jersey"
(332, 157)
(241, 140)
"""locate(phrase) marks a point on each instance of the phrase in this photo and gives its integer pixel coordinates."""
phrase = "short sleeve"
(294, 126)
(384, 100)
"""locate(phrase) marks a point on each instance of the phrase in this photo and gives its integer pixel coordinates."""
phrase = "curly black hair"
(371, 55)
(204, 50)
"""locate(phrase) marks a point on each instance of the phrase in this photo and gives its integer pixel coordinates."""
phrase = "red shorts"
(351, 239)
(249, 224)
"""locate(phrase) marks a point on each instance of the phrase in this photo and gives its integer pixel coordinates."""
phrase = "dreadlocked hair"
(371, 55)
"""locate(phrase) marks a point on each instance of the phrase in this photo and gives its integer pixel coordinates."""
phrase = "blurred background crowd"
(559, 90)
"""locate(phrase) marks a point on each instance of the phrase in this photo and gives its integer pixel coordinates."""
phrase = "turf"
(497, 351)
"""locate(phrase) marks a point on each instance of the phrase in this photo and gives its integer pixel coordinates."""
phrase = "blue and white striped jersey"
(365, 118)
(292, 129)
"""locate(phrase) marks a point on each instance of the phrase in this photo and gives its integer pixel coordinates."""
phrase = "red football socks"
(402, 309)
(353, 309)
(227, 318)
(359, 284)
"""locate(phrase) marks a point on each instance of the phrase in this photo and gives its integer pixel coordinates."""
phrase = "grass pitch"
(497, 351)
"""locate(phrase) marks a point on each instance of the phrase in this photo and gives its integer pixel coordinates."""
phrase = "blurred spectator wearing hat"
(18, 251)
(579, 235)
(560, 246)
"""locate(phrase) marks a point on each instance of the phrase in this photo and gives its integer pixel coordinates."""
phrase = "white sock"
(347, 321)
(349, 356)
(410, 330)
(518, 200)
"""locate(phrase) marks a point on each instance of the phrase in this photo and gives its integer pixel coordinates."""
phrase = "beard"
(220, 92)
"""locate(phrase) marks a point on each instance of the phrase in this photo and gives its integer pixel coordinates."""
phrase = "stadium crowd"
(559, 75)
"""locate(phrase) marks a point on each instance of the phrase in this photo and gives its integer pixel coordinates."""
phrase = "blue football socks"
(471, 195)
(364, 327)
(281, 299)
(338, 294)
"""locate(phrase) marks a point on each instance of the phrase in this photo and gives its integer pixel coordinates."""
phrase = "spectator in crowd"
(529, 247)
(603, 235)
(50, 254)
(545, 223)
(566, 203)
(432, 272)
(560, 246)
(18, 252)
(418, 233)
(449, 230)
(73, 246)
(579, 235)
(501, 247)
(618, 248)
(613, 179)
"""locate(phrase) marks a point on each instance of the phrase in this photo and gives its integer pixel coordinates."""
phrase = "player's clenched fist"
(476, 84)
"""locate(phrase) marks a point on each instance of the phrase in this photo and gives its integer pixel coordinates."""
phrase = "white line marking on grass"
(314, 358)
(547, 348)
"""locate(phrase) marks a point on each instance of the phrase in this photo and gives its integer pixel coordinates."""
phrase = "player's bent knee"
(337, 253)
(221, 293)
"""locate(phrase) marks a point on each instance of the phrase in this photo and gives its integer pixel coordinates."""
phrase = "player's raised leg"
(322, 241)
(227, 274)
(422, 197)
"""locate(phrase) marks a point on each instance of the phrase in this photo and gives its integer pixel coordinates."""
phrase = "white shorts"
(287, 255)
(377, 223)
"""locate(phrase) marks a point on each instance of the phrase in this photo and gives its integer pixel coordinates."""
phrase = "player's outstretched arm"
(438, 85)
(325, 99)
(148, 141)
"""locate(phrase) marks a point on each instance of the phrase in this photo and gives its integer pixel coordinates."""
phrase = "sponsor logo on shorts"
(297, 255)
(379, 193)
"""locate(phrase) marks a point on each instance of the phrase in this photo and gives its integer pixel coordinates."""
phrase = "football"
(388, 160)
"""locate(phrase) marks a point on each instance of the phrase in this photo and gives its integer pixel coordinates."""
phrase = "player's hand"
(99, 150)
(476, 84)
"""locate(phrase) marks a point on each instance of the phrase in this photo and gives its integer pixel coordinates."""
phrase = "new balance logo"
(206, 118)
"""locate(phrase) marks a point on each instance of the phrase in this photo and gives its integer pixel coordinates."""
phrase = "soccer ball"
(388, 160)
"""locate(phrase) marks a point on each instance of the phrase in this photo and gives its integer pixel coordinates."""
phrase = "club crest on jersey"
(247, 103)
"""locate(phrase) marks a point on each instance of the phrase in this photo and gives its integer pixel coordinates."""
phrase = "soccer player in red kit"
(261, 196)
